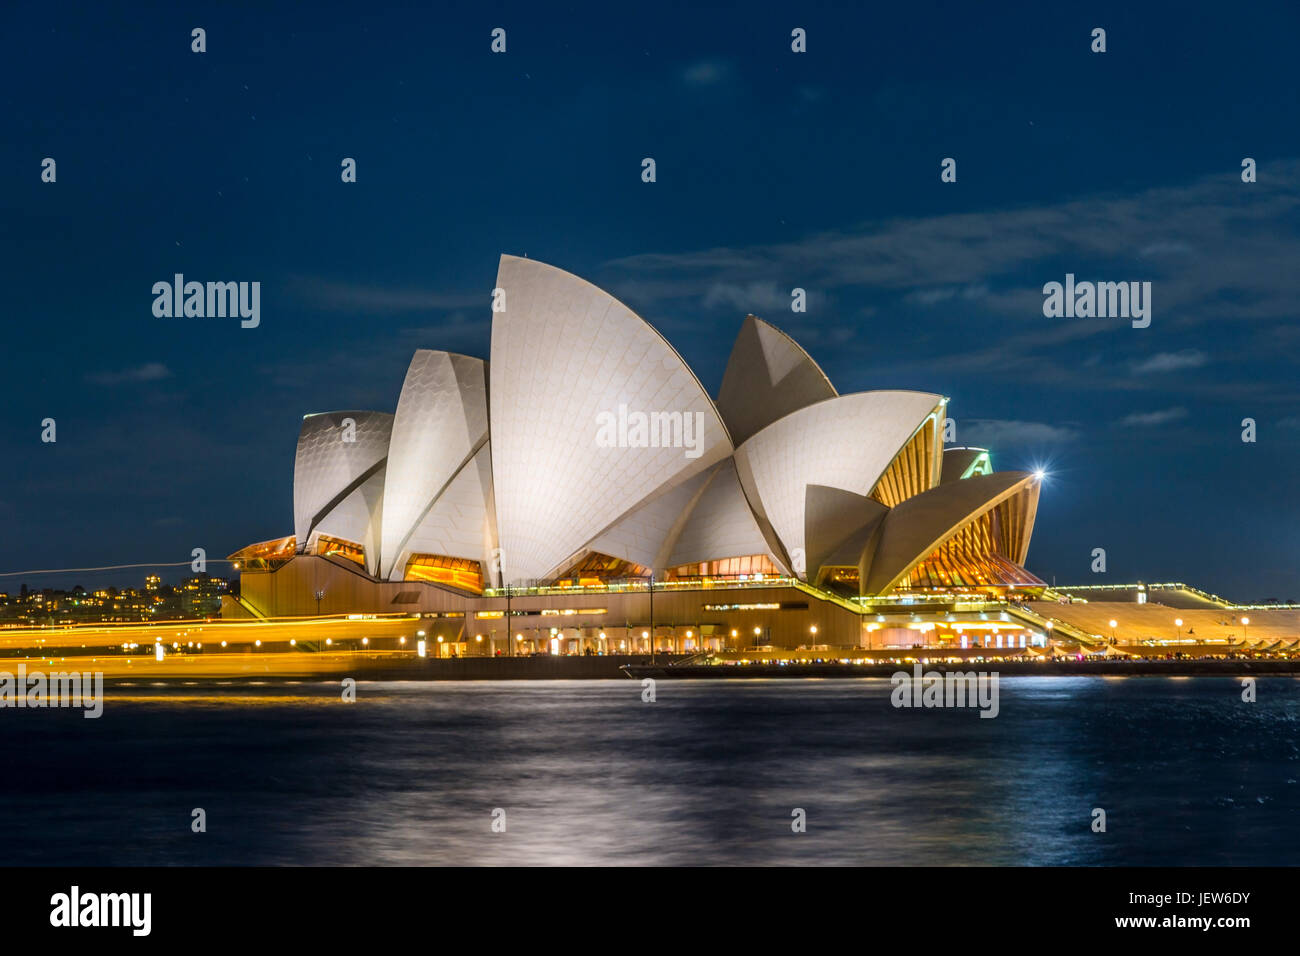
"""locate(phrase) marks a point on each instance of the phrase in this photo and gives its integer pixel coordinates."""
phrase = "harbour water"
(587, 772)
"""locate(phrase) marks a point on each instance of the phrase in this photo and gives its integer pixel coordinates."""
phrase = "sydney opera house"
(582, 492)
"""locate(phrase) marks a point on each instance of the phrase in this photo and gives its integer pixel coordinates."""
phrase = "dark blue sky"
(775, 170)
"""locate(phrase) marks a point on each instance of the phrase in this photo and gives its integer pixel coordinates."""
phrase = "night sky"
(775, 170)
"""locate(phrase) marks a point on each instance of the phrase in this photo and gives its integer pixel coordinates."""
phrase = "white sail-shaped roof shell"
(458, 524)
(845, 443)
(768, 376)
(338, 485)
(644, 535)
(563, 353)
(721, 525)
(440, 426)
(915, 528)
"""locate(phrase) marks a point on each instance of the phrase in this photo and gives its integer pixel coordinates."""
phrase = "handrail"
(1176, 586)
(239, 599)
(1065, 627)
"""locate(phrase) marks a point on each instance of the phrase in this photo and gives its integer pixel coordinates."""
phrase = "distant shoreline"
(545, 667)
(1237, 667)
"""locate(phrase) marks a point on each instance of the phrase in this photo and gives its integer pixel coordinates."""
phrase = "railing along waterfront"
(626, 586)
(1068, 590)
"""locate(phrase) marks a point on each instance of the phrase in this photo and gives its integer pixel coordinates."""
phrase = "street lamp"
(1178, 623)
(1113, 625)
(1245, 624)
(651, 585)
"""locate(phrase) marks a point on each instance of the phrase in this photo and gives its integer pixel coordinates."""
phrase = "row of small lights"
(1178, 622)
(365, 641)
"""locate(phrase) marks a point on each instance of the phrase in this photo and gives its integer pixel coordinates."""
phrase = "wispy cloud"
(1004, 433)
(1149, 419)
(1157, 249)
(756, 297)
(149, 372)
(706, 73)
(935, 296)
(1171, 361)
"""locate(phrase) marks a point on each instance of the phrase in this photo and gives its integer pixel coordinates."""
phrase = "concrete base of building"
(683, 619)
